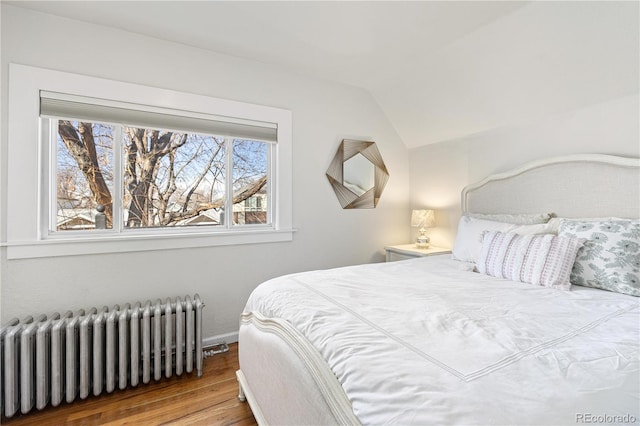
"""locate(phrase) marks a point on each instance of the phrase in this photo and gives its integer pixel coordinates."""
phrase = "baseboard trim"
(226, 337)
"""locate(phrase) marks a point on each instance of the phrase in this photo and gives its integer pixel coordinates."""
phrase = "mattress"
(428, 341)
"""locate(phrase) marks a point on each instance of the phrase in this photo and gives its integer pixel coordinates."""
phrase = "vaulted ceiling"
(439, 70)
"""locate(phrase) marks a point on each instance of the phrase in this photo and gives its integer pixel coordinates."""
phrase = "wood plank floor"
(186, 400)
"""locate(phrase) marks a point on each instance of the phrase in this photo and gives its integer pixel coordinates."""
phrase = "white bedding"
(426, 341)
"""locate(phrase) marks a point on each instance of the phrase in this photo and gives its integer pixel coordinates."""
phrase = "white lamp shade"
(423, 218)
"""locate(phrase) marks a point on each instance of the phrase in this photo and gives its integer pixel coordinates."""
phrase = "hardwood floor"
(186, 400)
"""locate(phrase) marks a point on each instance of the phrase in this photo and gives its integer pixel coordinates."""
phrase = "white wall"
(323, 114)
(440, 171)
(544, 57)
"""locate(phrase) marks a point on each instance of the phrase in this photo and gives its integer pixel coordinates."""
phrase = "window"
(167, 179)
(123, 164)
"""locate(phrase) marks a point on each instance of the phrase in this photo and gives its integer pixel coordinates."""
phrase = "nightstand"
(410, 251)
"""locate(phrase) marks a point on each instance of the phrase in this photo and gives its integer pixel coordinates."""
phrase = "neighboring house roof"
(84, 218)
(75, 218)
(207, 217)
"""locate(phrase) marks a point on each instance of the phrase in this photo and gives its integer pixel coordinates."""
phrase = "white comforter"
(428, 342)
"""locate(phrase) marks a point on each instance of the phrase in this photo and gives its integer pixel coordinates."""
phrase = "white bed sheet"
(426, 341)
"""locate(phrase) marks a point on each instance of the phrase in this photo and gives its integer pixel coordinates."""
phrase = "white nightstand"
(410, 251)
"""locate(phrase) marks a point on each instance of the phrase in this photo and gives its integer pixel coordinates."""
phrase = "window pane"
(250, 182)
(84, 175)
(172, 179)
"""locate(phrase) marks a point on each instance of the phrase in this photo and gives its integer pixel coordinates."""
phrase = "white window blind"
(58, 105)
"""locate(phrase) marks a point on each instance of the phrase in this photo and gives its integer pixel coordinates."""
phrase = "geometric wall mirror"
(358, 174)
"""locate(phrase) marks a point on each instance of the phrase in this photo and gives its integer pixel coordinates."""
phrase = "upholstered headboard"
(588, 185)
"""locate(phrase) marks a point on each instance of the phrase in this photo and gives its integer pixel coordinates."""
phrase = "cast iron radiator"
(50, 359)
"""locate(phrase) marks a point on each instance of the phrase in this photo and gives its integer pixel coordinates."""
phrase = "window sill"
(132, 243)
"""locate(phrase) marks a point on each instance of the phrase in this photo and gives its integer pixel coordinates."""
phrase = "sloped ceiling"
(439, 70)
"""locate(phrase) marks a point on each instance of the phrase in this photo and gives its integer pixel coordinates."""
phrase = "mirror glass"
(358, 174)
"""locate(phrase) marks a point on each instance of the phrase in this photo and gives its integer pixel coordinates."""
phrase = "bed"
(433, 341)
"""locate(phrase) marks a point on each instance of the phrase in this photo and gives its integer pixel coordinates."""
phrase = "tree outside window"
(165, 178)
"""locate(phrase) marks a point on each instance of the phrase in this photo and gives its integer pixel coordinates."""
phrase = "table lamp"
(422, 219)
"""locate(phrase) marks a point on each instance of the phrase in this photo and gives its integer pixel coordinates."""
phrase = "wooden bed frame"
(284, 378)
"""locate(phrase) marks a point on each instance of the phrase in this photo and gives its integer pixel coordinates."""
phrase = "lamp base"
(423, 242)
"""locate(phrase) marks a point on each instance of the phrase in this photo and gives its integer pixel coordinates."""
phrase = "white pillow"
(468, 244)
(518, 219)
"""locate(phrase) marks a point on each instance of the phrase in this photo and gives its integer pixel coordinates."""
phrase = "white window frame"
(28, 178)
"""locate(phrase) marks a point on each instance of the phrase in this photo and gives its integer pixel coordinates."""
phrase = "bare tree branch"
(156, 170)
(81, 145)
(238, 197)
(249, 190)
(146, 161)
(195, 185)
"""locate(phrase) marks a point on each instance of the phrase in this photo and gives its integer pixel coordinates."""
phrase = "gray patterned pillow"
(610, 258)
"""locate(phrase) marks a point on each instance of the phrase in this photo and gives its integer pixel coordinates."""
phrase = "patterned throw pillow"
(536, 259)
(610, 258)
